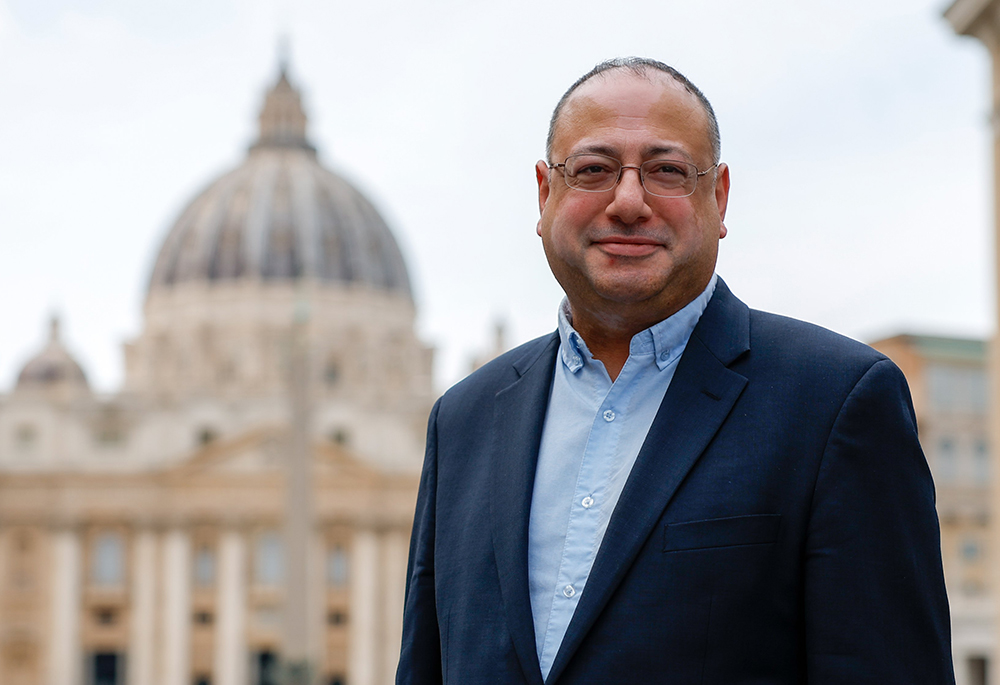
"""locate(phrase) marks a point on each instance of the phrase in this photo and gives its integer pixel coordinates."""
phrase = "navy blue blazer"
(778, 526)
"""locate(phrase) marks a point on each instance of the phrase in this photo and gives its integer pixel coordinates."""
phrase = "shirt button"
(664, 355)
(609, 415)
(569, 591)
(587, 502)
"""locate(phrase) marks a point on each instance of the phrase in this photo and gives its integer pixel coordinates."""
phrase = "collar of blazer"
(699, 399)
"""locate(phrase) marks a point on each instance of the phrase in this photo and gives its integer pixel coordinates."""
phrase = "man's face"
(623, 255)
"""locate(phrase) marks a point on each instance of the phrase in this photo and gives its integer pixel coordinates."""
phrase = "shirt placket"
(588, 511)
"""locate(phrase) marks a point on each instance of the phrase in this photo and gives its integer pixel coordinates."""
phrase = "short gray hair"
(640, 66)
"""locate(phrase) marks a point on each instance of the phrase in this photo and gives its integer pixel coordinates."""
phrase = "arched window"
(269, 562)
(108, 561)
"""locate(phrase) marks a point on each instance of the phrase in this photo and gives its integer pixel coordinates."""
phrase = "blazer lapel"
(519, 414)
(699, 399)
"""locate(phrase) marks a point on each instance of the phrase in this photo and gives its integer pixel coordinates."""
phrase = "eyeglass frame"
(622, 167)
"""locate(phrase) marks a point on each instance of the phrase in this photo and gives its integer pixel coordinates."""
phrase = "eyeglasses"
(593, 173)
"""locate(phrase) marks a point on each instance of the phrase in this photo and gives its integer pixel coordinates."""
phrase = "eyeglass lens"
(663, 177)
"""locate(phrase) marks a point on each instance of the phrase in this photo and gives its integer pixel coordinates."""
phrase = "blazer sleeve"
(420, 657)
(875, 604)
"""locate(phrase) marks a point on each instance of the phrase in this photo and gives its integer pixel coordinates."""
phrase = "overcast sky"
(856, 132)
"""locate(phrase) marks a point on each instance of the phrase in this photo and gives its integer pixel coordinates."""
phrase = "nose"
(629, 202)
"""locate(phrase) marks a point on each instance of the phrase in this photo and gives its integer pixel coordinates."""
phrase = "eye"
(591, 166)
(665, 168)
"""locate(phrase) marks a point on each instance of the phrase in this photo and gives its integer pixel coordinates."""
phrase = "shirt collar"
(665, 340)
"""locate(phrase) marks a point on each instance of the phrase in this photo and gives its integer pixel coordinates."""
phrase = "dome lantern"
(282, 119)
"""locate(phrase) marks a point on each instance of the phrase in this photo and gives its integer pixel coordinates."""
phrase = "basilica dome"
(53, 366)
(281, 216)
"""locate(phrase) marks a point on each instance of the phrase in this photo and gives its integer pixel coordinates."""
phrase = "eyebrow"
(657, 151)
(664, 150)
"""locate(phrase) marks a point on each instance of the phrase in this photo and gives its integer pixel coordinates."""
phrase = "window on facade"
(977, 670)
(947, 461)
(269, 562)
(109, 436)
(25, 437)
(973, 587)
(106, 669)
(970, 549)
(957, 388)
(267, 668)
(336, 566)
(981, 461)
(106, 617)
(108, 561)
(22, 569)
(204, 566)
(206, 436)
(332, 373)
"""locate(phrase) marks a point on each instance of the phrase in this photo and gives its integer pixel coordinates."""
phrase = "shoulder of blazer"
(799, 343)
(750, 341)
(499, 373)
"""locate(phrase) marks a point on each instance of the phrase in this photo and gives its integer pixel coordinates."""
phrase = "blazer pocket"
(754, 529)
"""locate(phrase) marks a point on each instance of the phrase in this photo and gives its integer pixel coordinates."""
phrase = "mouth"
(628, 246)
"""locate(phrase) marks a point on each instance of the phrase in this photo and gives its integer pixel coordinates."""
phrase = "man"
(671, 488)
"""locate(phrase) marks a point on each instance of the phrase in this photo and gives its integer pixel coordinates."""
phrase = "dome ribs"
(281, 216)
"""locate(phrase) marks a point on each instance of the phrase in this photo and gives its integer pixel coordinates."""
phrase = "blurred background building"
(144, 535)
(948, 380)
(981, 20)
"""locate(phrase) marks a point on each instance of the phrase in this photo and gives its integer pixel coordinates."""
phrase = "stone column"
(363, 661)
(65, 656)
(317, 607)
(395, 551)
(981, 19)
(142, 640)
(230, 626)
(176, 662)
(298, 530)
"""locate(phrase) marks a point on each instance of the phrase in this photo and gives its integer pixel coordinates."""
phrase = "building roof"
(941, 348)
(281, 216)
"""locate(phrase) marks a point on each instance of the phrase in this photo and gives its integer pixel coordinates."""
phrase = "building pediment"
(261, 454)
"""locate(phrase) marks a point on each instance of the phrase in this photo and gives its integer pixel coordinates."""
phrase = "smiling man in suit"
(671, 488)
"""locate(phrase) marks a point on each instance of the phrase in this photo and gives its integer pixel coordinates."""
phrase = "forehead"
(620, 111)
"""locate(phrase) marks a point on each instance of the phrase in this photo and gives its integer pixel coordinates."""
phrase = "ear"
(722, 196)
(542, 177)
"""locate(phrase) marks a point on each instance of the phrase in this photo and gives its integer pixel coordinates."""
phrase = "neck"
(608, 332)
(609, 337)
(612, 351)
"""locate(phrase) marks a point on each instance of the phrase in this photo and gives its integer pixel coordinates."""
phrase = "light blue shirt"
(591, 438)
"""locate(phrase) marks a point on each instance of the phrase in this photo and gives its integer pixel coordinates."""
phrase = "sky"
(857, 134)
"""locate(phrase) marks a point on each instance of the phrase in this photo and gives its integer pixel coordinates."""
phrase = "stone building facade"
(949, 382)
(144, 534)
(980, 19)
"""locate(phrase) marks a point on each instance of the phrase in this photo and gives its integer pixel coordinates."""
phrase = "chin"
(629, 291)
